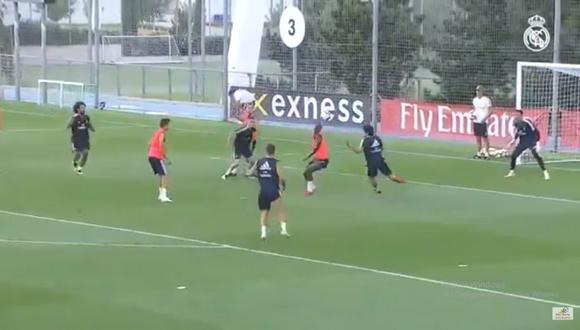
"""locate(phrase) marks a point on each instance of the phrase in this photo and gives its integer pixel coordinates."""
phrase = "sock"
(162, 193)
(513, 163)
(310, 186)
(283, 225)
(263, 231)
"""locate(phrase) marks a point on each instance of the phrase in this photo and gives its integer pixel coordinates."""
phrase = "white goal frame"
(61, 83)
(170, 57)
(557, 69)
(546, 65)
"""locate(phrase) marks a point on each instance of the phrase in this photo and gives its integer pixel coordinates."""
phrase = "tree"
(134, 13)
(471, 51)
(339, 39)
(482, 41)
(180, 20)
(59, 9)
(6, 47)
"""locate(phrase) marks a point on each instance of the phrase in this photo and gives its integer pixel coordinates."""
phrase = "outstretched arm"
(281, 178)
(354, 149)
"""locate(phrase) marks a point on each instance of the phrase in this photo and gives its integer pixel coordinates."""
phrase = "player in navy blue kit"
(80, 124)
(242, 149)
(372, 147)
(527, 136)
(271, 183)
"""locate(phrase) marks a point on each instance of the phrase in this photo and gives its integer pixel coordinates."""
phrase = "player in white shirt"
(479, 115)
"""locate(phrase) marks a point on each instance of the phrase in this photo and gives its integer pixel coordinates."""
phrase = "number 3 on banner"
(292, 27)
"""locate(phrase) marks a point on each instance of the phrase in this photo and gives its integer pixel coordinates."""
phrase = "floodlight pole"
(17, 73)
(190, 46)
(226, 25)
(97, 39)
(375, 63)
(554, 122)
(202, 46)
(43, 50)
(296, 3)
(90, 41)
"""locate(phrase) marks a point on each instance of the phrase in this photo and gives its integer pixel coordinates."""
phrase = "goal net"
(549, 93)
(140, 49)
(61, 93)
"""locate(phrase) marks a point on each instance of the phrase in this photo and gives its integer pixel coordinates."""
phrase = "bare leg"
(486, 146)
(282, 216)
(373, 181)
(84, 158)
(163, 189)
(76, 158)
(230, 171)
(264, 222)
(250, 161)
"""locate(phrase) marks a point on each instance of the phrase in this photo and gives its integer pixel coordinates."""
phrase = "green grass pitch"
(99, 251)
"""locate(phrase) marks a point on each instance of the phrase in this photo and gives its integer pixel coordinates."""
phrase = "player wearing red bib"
(319, 160)
(158, 158)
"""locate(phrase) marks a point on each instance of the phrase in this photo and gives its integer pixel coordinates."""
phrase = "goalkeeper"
(527, 136)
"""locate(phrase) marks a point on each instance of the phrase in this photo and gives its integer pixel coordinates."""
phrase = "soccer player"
(479, 115)
(527, 136)
(271, 182)
(247, 107)
(158, 158)
(319, 160)
(242, 140)
(372, 147)
(80, 124)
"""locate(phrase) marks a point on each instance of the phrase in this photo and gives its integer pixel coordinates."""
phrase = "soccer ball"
(327, 115)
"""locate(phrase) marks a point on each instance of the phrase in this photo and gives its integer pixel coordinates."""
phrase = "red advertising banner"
(570, 129)
(451, 121)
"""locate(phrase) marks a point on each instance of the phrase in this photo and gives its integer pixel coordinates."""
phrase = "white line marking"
(117, 245)
(393, 151)
(35, 114)
(295, 258)
(87, 224)
(428, 184)
(504, 193)
(64, 130)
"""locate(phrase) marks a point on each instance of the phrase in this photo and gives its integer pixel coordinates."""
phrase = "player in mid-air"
(80, 125)
(527, 136)
(319, 160)
(242, 149)
(372, 147)
(244, 108)
(158, 158)
(271, 183)
(479, 115)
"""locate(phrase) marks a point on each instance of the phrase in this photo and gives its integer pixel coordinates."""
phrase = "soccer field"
(458, 247)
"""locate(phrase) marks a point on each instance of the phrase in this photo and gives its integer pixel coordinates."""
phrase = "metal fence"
(414, 49)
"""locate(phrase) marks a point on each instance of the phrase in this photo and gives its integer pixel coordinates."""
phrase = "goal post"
(60, 92)
(549, 93)
(140, 49)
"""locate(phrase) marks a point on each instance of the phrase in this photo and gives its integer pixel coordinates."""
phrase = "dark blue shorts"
(80, 146)
(266, 198)
(158, 166)
(242, 150)
(373, 168)
(480, 129)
